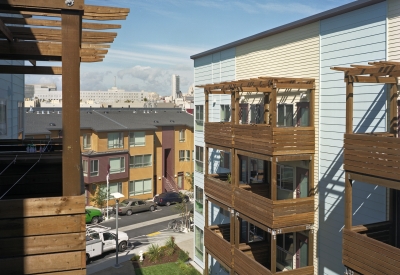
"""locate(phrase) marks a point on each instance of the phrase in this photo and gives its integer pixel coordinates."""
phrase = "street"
(142, 228)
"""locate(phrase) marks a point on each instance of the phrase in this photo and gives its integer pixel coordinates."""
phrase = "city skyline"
(158, 38)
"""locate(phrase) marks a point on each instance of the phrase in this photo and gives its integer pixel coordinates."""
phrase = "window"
(20, 116)
(87, 144)
(3, 117)
(137, 139)
(113, 188)
(182, 135)
(139, 187)
(94, 167)
(285, 115)
(180, 180)
(255, 110)
(140, 161)
(285, 250)
(115, 140)
(199, 200)
(85, 167)
(198, 243)
(303, 112)
(199, 159)
(285, 182)
(117, 165)
(184, 155)
(224, 159)
(225, 113)
(243, 113)
(199, 118)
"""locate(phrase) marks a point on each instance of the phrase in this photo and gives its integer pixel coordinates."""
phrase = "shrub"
(170, 243)
(183, 256)
(135, 258)
(154, 252)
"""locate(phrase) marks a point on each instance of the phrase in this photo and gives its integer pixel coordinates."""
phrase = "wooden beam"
(348, 206)
(294, 86)
(312, 107)
(272, 108)
(41, 4)
(71, 165)
(349, 107)
(5, 69)
(371, 79)
(273, 252)
(5, 30)
(273, 179)
(206, 106)
(237, 229)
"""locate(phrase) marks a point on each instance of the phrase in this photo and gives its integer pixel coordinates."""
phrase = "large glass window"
(140, 187)
(256, 113)
(224, 159)
(117, 165)
(199, 200)
(285, 182)
(199, 118)
(184, 155)
(137, 139)
(199, 243)
(303, 111)
(140, 161)
(94, 167)
(285, 115)
(85, 167)
(115, 140)
(199, 159)
(87, 141)
(3, 117)
(285, 250)
(225, 113)
(113, 188)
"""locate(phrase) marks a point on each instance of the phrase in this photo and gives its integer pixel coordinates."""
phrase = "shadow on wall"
(331, 193)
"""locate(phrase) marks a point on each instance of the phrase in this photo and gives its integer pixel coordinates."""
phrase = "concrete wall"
(351, 38)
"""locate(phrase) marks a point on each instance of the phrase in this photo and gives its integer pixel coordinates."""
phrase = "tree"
(182, 207)
(100, 197)
(190, 180)
(145, 99)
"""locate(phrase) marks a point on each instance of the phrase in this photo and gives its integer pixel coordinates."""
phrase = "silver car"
(129, 206)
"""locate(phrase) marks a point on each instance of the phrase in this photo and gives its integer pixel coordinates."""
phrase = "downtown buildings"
(271, 112)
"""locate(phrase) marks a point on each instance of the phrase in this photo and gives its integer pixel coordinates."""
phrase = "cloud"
(42, 79)
(93, 81)
(181, 51)
(149, 58)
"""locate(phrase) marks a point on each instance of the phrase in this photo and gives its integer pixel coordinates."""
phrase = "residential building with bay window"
(293, 126)
(145, 151)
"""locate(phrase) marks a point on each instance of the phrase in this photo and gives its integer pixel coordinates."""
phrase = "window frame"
(199, 200)
(199, 118)
(199, 159)
(133, 164)
(132, 184)
(20, 116)
(115, 145)
(94, 173)
(288, 119)
(3, 117)
(182, 135)
(225, 113)
(121, 169)
(199, 243)
(224, 159)
(85, 166)
(132, 139)
(87, 137)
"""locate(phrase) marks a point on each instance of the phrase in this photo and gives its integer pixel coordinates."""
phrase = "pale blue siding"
(213, 68)
(351, 38)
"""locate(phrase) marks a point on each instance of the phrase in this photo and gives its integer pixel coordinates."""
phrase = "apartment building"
(270, 120)
(145, 152)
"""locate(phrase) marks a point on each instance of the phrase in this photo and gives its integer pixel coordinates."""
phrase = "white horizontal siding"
(393, 30)
(356, 37)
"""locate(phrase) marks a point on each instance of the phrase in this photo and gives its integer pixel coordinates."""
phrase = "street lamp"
(116, 196)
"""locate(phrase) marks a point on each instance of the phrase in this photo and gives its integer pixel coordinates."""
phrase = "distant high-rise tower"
(175, 86)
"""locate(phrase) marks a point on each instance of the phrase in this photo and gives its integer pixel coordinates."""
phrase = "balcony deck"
(217, 242)
(368, 252)
(261, 138)
(373, 155)
(218, 189)
(274, 214)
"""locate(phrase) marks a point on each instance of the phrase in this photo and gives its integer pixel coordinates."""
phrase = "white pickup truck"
(100, 239)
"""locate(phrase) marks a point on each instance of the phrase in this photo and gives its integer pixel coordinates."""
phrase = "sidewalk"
(183, 240)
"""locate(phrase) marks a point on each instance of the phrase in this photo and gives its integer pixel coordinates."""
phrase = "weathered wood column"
(266, 109)
(312, 107)
(273, 251)
(206, 226)
(348, 182)
(393, 109)
(273, 179)
(206, 106)
(71, 23)
(272, 106)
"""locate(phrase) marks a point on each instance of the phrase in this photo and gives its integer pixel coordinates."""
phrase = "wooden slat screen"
(372, 155)
(43, 235)
(219, 190)
(308, 270)
(255, 138)
(245, 265)
(218, 133)
(368, 256)
(218, 246)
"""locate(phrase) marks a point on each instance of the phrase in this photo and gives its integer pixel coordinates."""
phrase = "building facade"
(144, 153)
(357, 33)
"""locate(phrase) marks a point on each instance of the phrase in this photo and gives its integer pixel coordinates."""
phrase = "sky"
(159, 36)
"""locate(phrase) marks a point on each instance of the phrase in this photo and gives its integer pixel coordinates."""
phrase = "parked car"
(129, 206)
(100, 239)
(170, 197)
(93, 215)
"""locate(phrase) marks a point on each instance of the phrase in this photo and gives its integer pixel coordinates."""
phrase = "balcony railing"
(246, 264)
(218, 133)
(216, 240)
(218, 188)
(275, 214)
(376, 155)
(368, 252)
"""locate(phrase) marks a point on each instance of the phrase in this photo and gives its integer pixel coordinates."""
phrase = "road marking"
(153, 234)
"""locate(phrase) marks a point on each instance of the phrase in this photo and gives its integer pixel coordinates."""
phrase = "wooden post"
(273, 252)
(206, 262)
(237, 109)
(273, 179)
(237, 230)
(312, 107)
(393, 110)
(232, 238)
(206, 161)
(206, 213)
(233, 108)
(206, 106)
(236, 169)
(266, 109)
(272, 107)
(71, 27)
(348, 182)
(311, 247)
(311, 178)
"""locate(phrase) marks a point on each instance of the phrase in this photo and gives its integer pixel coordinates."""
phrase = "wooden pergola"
(61, 36)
